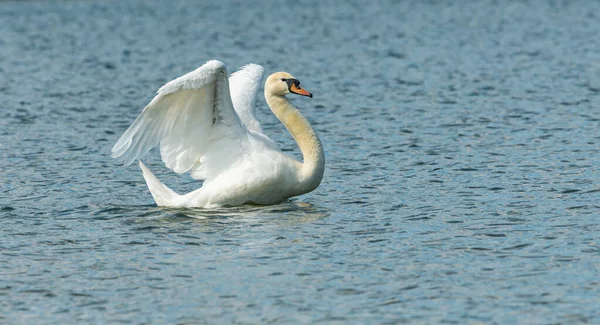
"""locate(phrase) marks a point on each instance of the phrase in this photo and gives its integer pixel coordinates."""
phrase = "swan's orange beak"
(297, 90)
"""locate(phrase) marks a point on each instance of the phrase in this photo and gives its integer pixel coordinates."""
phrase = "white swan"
(209, 130)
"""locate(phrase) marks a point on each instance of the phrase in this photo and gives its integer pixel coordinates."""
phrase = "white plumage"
(205, 124)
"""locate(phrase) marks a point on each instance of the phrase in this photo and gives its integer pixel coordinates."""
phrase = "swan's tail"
(163, 196)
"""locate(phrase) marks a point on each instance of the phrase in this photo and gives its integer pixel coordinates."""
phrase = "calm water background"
(462, 184)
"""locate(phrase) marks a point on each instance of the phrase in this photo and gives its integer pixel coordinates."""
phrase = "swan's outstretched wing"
(188, 116)
(244, 86)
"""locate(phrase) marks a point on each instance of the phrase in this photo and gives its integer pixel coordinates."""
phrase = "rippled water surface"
(462, 184)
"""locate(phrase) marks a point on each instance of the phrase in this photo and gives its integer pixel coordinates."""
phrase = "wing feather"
(244, 86)
(182, 117)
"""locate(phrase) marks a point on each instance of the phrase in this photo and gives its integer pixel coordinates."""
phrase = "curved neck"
(311, 172)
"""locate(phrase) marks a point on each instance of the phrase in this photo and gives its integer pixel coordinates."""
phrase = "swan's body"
(210, 131)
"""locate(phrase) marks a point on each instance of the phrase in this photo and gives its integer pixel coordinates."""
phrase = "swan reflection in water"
(296, 212)
(287, 213)
(205, 124)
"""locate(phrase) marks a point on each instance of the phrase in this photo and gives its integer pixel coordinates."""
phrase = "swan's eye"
(283, 79)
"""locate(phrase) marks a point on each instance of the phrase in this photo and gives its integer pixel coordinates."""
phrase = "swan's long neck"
(311, 170)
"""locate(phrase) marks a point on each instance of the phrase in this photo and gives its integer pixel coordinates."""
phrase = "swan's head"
(283, 83)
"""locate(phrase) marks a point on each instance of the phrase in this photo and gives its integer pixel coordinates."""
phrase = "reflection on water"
(293, 211)
(461, 183)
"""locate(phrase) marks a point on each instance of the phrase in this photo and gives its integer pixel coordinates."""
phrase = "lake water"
(462, 182)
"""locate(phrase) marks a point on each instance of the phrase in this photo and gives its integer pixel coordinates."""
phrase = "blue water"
(462, 182)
